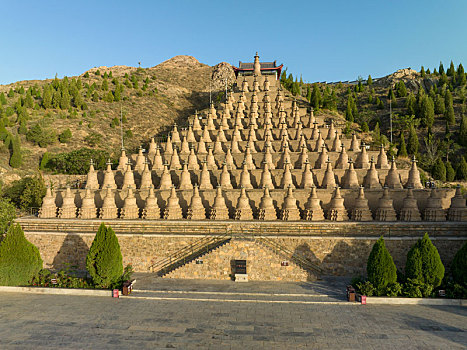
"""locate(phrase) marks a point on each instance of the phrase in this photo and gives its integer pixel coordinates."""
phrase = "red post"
(363, 299)
(115, 293)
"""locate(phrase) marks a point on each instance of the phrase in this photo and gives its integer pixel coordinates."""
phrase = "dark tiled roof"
(244, 65)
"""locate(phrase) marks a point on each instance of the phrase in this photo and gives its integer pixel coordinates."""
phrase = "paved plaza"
(225, 315)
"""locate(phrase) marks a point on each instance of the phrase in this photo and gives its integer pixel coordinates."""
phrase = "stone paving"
(234, 316)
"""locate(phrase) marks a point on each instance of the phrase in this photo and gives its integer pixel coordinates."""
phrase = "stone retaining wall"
(338, 248)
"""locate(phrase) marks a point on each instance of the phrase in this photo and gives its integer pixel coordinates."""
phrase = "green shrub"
(366, 288)
(381, 269)
(424, 263)
(104, 259)
(93, 139)
(41, 135)
(450, 172)
(64, 279)
(7, 215)
(412, 288)
(393, 289)
(65, 136)
(20, 260)
(459, 266)
(26, 193)
(439, 170)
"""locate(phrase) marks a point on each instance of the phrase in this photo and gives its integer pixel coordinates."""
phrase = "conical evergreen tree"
(20, 260)
(449, 111)
(16, 159)
(450, 172)
(461, 173)
(412, 146)
(459, 266)
(424, 263)
(369, 81)
(104, 259)
(463, 131)
(402, 148)
(381, 269)
(439, 170)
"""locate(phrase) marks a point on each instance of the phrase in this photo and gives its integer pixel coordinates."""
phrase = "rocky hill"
(90, 106)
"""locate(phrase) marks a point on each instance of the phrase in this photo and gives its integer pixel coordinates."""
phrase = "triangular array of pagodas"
(259, 155)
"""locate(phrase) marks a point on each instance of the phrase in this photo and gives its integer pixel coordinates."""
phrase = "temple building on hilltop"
(258, 68)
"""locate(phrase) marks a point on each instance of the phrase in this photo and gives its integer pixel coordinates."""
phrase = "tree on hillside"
(439, 170)
(16, 159)
(451, 70)
(391, 95)
(411, 104)
(412, 146)
(402, 148)
(463, 131)
(315, 97)
(401, 89)
(422, 72)
(369, 81)
(441, 68)
(427, 111)
(450, 172)
(461, 75)
(439, 105)
(461, 172)
(348, 112)
(449, 110)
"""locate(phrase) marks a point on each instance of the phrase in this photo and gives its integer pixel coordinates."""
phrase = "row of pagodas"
(273, 159)
(266, 210)
(249, 176)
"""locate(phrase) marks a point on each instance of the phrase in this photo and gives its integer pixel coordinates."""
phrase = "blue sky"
(322, 40)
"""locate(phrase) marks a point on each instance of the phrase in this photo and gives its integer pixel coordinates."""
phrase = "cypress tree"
(104, 259)
(105, 85)
(451, 70)
(461, 172)
(439, 105)
(381, 269)
(412, 146)
(402, 148)
(315, 97)
(16, 159)
(450, 172)
(369, 81)
(47, 98)
(439, 170)
(461, 75)
(422, 72)
(2, 99)
(449, 111)
(391, 95)
(20, 260)
(56, 99)
(424, 263)
(459, 266)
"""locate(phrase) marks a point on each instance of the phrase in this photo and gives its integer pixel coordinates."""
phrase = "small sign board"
(363, 299)
(285, 263)
(199, 261)
(115, 293)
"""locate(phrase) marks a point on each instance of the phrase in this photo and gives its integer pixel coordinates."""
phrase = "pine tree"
(348, 111)
(463, 131)
(109, 97)
(401, 89)
(461, 173)
(411, 104)
(441, 68)
(47, 98)
(451, 70)
(439, 170)
(461, 75)
(16, 159)
(412, 145)
(450, 172)
(391, 95)
(381, 269)
(422, 72)
(65, 99)
(105, 85)
(308, 93)
(449, 111)
(369, 81)
(315, 97)
(427, 111)
(424, 263)
(104, 259)
(20, 260)
(439, 105)
(402, 148)
(95, 97)
(56, 99)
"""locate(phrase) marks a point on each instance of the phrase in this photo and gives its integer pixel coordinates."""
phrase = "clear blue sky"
(322, 40)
